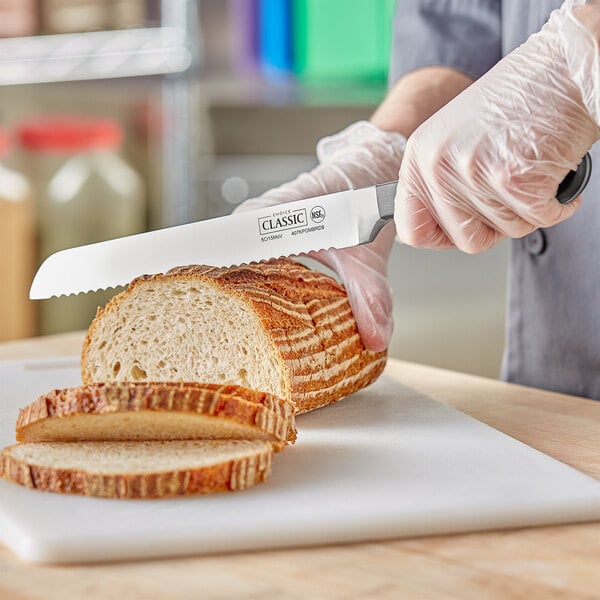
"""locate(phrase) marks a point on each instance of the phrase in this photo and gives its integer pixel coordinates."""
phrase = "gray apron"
(553, 321)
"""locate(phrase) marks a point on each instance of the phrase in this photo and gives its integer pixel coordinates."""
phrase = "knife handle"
(570, 188)
(575, 181)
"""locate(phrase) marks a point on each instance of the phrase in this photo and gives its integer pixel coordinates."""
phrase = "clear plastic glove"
(359, 156)
(489, 163)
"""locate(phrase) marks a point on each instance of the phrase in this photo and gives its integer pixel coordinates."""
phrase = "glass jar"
(74, 16)
(17, 251)
(85, 192)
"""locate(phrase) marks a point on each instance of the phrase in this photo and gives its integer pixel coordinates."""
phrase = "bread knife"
(338, 220)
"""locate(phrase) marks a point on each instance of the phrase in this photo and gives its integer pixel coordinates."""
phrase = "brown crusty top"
(269, 285)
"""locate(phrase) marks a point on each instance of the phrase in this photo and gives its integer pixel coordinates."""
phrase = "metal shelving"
(171, 51)
(94, 55)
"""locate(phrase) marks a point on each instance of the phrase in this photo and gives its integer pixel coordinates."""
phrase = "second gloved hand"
(359, 156)
(488, 164)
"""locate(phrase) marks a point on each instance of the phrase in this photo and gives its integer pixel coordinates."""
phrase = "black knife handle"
(575, 181)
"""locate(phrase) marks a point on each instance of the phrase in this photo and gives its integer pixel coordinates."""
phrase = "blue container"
(275, 37)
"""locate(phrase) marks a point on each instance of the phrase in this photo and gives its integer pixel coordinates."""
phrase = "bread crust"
(260, 410)
(229, 475)
(305, 314)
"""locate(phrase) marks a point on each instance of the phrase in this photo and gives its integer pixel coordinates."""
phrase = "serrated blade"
(336, 220)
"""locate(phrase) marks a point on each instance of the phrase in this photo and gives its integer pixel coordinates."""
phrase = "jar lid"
(70, 134)
(5, 142)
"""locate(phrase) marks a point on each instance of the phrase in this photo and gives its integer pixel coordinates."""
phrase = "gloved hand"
(488, 164)
(359, 156)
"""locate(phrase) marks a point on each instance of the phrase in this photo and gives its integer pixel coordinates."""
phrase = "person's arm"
(417, 96)
(438, 49)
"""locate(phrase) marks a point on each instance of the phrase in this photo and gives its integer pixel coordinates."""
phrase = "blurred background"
(119, 116)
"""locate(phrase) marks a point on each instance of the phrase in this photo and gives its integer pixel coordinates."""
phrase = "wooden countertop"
(546, 562)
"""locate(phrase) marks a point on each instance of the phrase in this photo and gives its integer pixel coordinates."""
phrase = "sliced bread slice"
(156, 411)
(274, 326)
(138, 469)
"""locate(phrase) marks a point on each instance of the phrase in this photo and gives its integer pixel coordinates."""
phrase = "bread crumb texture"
(276, 326)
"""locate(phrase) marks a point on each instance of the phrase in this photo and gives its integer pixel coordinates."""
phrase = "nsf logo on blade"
(317, 214)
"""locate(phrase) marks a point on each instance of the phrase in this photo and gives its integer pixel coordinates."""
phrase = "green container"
(342, 40)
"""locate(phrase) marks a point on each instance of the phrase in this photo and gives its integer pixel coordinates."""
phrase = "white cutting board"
(387, 462)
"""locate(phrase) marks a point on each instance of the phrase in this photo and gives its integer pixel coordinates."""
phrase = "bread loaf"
(275, 326)
(138, 469)
(156, 411)
(191, 381)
